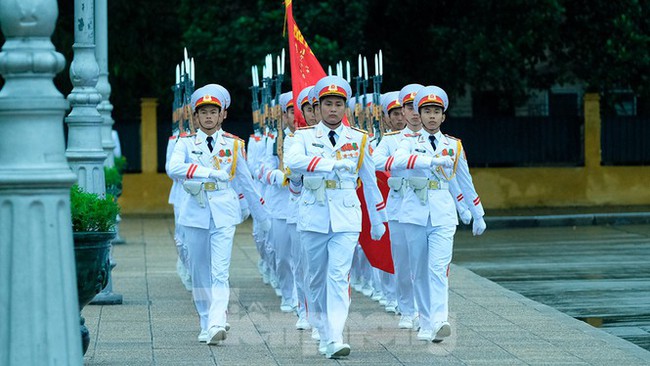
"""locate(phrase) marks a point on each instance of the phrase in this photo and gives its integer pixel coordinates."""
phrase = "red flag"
(305, 68)
(378, 252)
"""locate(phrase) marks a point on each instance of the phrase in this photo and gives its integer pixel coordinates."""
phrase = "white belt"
(437, 185)
(340, 184)
(215, 186)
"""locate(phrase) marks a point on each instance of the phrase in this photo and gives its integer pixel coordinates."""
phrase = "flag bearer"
(209, 162)
(331, 157)
(428, 210)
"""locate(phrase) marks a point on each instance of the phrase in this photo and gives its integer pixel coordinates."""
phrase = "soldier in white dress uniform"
(432, 160)
(209, 162)
(175, 197)
(331, 157)
(303, 103)
(277, 196)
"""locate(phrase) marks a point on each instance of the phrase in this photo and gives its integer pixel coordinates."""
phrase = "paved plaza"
(157, 324)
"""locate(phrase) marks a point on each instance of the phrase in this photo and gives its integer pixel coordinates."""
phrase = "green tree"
(606, 45)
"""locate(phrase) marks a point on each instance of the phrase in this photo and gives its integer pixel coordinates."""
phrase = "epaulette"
(188, 135)
(359, 130)
(172, 137)
(256, 138)
(290, 135)
(392, 133)
(452, 137)
(228, 134)
(306, 127)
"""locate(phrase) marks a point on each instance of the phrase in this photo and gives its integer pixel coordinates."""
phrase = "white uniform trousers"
(209, 257)
(365, 269)
(389, 286)
(355, 272)
(283, 260)
(330, 258)
(181, 247)
(402, 264)
(299, 271)
(259, 238)
(430, 250)
(269, 249)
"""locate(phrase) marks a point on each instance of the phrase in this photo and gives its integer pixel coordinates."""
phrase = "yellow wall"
(145, 193)
(500, 188)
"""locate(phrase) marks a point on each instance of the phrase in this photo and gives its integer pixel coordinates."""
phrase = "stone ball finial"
(28, 18)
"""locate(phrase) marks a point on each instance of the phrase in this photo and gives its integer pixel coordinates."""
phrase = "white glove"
(245, 213)
(465, 217)
(265, 225)
(219, 175)
(444, 161)
(345, 164)
(296, 178)
(479, 226)
(295, 188)
(277, 177)
(377, 231)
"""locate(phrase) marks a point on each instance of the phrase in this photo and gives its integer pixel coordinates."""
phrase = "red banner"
(378, 252)
(305, 68)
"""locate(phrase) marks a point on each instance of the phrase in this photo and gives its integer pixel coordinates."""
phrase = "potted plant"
(93, 222)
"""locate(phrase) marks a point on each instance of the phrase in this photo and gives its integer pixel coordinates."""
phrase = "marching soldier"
(432, 161)
(276, 197)
(209, 162)
(295, 188)
(305, 105)
(175, 197)
(331, 157)
(315, 104)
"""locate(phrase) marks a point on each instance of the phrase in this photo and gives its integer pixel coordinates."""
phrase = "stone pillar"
(85, 152)
(103, 86)
(149, 135)
(39, 311)
(592, 131)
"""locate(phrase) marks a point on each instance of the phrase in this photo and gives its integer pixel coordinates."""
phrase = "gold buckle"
(331, 184)
(209, 186)
(434, 184)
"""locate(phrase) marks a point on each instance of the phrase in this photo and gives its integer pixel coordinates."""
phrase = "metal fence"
(625, 140)
(519, 141)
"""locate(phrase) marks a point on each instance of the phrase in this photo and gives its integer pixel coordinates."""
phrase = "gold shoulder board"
(452, 137)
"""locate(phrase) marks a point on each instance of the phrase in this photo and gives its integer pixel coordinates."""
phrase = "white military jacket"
(414, 155)
(176, 192)
(193, 161)
(312, 154)
(275, 195)
(384, 159)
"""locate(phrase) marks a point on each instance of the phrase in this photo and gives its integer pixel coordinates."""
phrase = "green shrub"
(120, 164)
(91, 212)
(112, 177)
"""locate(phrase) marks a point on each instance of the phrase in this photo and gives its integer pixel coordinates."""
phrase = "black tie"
(332, 139)
(209, 140)
(432, 139)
